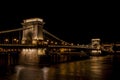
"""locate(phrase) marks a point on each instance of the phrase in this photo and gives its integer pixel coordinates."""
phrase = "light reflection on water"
(31, 73)
(95, 68)
(45, 73)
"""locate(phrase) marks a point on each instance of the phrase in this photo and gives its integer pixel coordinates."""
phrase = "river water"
(94, 68)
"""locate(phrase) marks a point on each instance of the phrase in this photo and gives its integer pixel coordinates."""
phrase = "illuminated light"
(40, 38)
(6, 40)
(96, 51)
(55, 42)
(33, 19)
(97, 39)
(51, 41)
(18, 69)
(11, 49)
(23, 42)
(69, 49)
(23, 49)
(45, 73)
(47, 40)
(26, 50)
(31, 50)
(62, 50)
(72, 44)
(35, 38)
(34, 42)
(14, 39)
(41, 51)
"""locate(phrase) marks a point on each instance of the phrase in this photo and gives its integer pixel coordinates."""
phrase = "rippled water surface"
(95, 68)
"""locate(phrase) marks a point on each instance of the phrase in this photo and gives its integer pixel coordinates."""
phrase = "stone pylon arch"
(33, 31)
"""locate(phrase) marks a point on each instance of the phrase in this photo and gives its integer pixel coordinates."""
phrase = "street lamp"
(6, 41)
(15, 41)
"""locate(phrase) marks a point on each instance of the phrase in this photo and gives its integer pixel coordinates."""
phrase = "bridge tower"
(95, 44)
(33, 32)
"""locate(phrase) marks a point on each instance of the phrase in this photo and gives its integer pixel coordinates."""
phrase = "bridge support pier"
(31, 56)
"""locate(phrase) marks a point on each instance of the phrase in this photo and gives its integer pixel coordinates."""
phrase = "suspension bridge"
(29, 31)
(36, 42)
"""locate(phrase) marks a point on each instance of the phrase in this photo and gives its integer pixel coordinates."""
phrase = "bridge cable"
(45, 31)
(13, 30)
(19, 29)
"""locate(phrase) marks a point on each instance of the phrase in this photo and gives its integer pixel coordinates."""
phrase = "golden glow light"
(33, 19)
(34, 42)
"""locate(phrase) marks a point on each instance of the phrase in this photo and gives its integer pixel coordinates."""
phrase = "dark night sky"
(75, 22)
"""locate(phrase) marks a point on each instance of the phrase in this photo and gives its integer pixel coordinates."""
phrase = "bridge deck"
(40, 46)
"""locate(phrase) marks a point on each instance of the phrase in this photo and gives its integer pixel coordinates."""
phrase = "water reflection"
(31, 73)
(45, 73)
(95, 68)
(96, 64)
